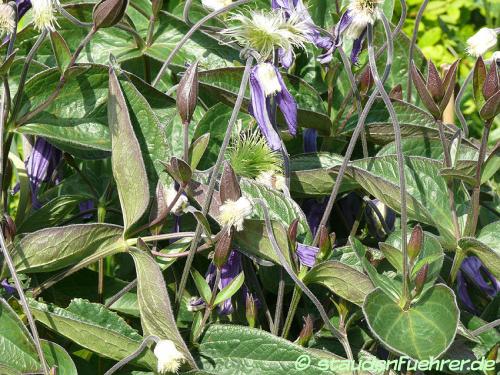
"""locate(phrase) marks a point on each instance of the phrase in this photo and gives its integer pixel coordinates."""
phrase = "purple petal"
(463, 293)
(9, 289)
(307, 254)
(285, 58)
(22, 7)
(310, 137)
(86, 205)
(229, 271)
(479, 275)
(287, 105)
(260, 110)
(341, 26)
(357, 46)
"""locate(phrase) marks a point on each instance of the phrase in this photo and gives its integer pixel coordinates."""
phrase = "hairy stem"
(132, 356)
(458, 102)
(412, 47)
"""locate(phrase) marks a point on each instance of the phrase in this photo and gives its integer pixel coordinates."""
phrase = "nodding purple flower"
(314, 209)
(307, 254)
(85, 206)
(376, 223)
(9, 289)
(40, 165)
(310, 138)
(297, 8)
(229, 271)
(353, 25)
(266, 82)
(22, 7)
(473, 273)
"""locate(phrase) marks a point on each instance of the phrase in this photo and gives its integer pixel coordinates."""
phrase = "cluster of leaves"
(100, 280)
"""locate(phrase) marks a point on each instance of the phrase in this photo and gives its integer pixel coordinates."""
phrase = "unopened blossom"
(474, 275)
(296, 8)
(7, 19)
(307, 254)
(234, 213)
(353, 25)
(266, 83)
(216, 4)
(481, 42)
(169, 357)
(40, 165)
(44, 17)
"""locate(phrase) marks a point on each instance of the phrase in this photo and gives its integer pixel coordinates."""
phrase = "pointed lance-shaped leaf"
(229, 187)
(423, 92)
(491, 108)
(108, 13)
(250, 310)
(187, 93)
(396, 92)
(180, 170)
(434, 82)
(449, 85)
(478, 79)
(491, 84)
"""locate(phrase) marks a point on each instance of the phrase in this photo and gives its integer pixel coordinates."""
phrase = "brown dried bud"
(420, 279)
(251, 310)
(108, 13)
(187, 93)
(229, 187)
(416, 242)
(306, 332)
(222, 248)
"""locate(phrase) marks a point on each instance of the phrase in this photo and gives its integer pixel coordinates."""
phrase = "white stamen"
(7, 19)
(266, 74)
(169, 358)
(363, 12)
(233, 213)
(271, 179)
(43, 15)
(216, 4)
(481, 42)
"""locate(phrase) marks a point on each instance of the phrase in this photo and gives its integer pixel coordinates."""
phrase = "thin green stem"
(210, 306)
(294, 303)
(213, 177)
(279, 303)
(412, 47)
(24, 303)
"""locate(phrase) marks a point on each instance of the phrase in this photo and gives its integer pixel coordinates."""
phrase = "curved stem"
(341, 336)
(24, 303)
(188, 35)
(75, 21)
(458, 102)
(132, 356)
(127, 288)
(399, 152)
(412, 47)
(213, 177)
(24, 72)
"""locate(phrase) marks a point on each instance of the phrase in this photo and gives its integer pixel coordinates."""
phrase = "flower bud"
(8, 228)
(223, 248)
(187, 93)
(251, 310)
(229, 187)
(325, 246)
(420, 279)
(108, 13)
(415, 243)
(292, 230)
(434, 82)
(481, 42)
(169, 357)
(491, 84)
(306, 332)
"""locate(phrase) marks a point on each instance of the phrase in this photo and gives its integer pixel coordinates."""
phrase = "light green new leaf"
(128, 166)
(201, 285)
(56, 356)
(230, 289)
(425, 330)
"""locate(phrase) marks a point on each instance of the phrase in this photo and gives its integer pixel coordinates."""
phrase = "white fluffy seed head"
(216, 4)
(169, 358)
(234, 213)
(363, 12)
(44, 15)
(481, 42)
(7, 19)
(266, 74)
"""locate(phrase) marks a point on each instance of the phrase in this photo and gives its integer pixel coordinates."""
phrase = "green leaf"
(426, 190)
(128, 165)
(24, 187)
(254, 240)
(154, 304)
(222, 85)
(425, 330)
(61, 50)
(236, 349)
(229, 290)
(56, 356)
(197, 149)
(341, 279)
(201, 285)
(54, 248)
(489, 256)
(94, 327)
(50, 214)
(281, 208)
(17, 350)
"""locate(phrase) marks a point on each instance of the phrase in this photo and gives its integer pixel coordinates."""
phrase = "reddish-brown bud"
(251, 310)
(416, 242)
(223, 248)
(187, 93)
(229, 187)
(108, 13)
(306, 332)
(420, 279)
